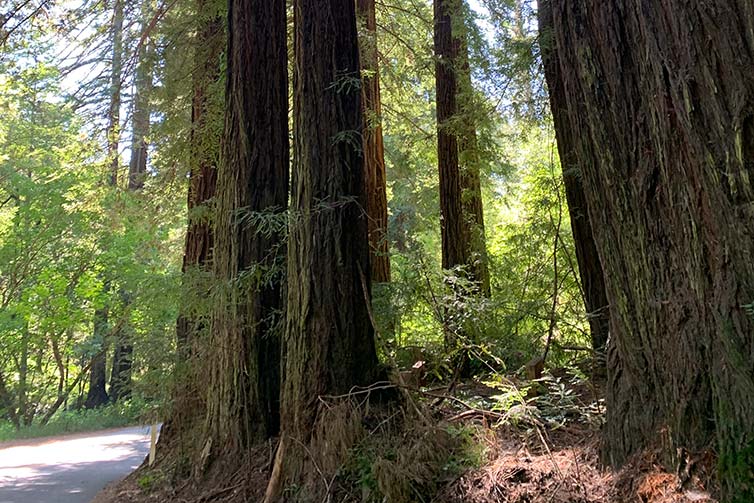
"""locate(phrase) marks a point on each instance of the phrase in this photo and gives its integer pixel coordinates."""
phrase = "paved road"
(70, 469)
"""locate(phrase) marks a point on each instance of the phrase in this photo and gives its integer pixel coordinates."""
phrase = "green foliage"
(111, 416)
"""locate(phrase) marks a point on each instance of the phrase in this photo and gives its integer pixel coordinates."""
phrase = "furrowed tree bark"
(244, 375)
(661, 99)
(374, 150)
(471, 182)
(590, 266)
(455, 235)
(193, 317)
(329, 341)
(462, 215)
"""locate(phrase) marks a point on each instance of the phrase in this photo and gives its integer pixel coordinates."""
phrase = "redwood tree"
(659, 99)
(252, 192)
(374, 150)
(203, 174)
(590, 266)
(96, 394)
(198, 246)
(462, 219)
(329, 340)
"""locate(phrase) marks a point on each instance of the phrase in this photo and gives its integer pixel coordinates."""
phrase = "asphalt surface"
(70, 469)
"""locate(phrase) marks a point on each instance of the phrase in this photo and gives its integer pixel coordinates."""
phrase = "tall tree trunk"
(374, 150)
(23, 374)
(96, 394)
(116, 71)
(244, 386)
(661, 100)
(120, 373)
(120, 379)
(590, 267)
(455, 235)
(137, 168)
(471, 183)
(462, 216)
(203, 175)
(329, 338)
(206, 114)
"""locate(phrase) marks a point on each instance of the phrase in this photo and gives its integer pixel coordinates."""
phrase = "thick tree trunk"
(244, 386)
(471, 182)
(660, 97)
(120, 373)
(193, 317)
(461, 213)
(329, 338)
(590, 267)
(374, 150)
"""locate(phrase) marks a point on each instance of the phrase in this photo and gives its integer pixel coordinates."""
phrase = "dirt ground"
(533, 459)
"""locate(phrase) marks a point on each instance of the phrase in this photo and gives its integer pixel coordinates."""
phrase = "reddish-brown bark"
(659, 96)
(374, 150)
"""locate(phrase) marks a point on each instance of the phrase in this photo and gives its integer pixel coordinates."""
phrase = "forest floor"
(525, 444)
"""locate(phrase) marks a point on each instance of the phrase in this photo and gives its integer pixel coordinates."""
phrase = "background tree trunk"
(243, 404)
(471, 182)
(374, 150)
(96, 395)
(661, 99)
(137, 168)
(462, 215)
(120, 379)
(116, 75)
(329, 338)
(203, 175)
(455, 235)
(590, 267)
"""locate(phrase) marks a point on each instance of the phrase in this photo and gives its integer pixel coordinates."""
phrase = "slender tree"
(116, 76)
(374, 150)
(471, 181)
(455, 235)
(120, 377)
(462, 217)
(249, 256)
(329, 338)
(590, 266)
(96, 394)
(659, 100)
